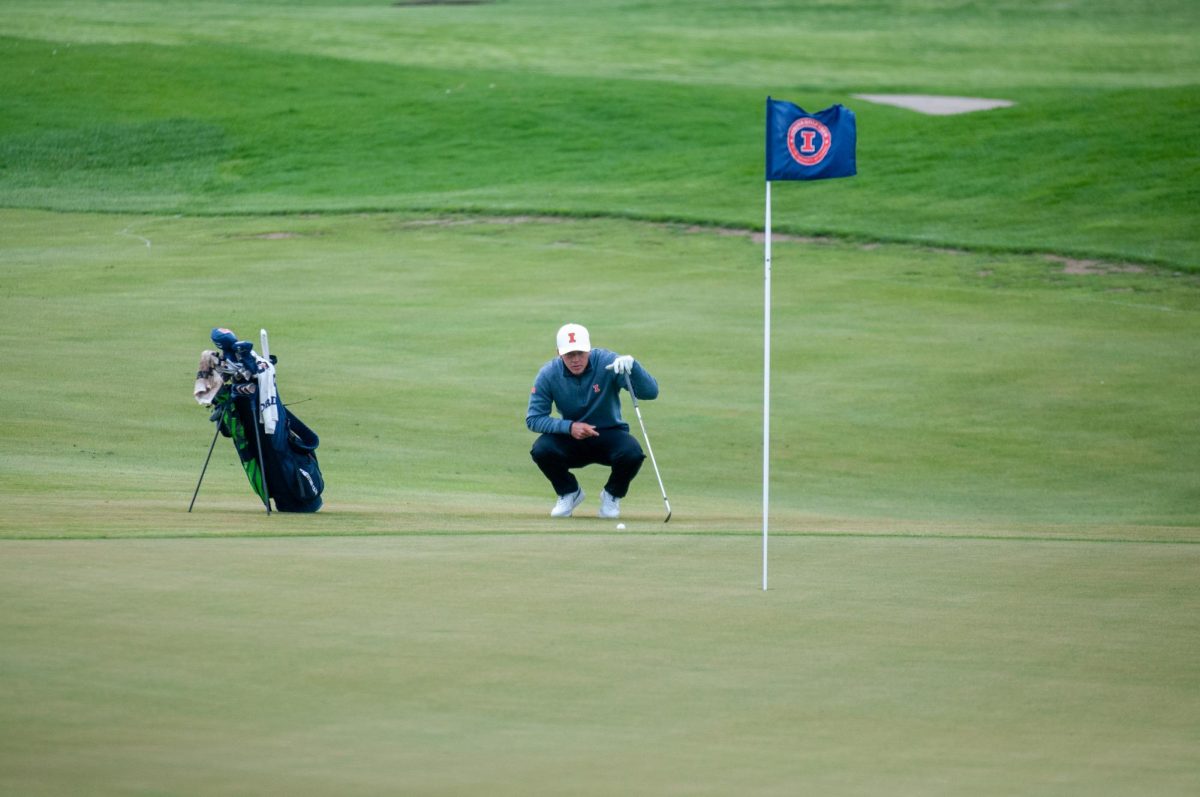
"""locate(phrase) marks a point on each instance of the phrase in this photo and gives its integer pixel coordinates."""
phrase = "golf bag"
(281, 464)
(288, 455)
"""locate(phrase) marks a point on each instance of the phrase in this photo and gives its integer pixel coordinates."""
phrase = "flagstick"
(766, 377)
(791, 131)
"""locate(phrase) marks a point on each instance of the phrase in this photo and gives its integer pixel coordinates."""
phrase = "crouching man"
(585, 385)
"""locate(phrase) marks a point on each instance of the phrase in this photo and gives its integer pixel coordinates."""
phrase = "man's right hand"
(580, 430)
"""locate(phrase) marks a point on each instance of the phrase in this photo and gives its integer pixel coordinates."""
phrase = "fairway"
(915, 390)
(984, 490)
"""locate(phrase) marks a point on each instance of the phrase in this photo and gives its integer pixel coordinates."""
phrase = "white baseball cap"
(573, 337)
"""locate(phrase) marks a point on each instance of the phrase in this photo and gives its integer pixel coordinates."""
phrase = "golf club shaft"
(262, 459)
(649, 448)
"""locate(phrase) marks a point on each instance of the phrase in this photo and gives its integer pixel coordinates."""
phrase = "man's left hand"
(622, 365)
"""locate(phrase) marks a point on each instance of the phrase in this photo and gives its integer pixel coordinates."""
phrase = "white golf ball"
(620, 525)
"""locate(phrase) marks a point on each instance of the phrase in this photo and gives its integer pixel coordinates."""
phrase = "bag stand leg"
(205, 468)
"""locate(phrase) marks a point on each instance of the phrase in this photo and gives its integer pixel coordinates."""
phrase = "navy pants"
(557, 454)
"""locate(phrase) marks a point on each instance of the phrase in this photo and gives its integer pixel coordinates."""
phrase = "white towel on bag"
(268, 398)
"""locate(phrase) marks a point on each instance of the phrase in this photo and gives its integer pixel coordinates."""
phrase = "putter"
(649, 448)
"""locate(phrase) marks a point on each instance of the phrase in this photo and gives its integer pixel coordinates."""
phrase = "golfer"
(585, 384)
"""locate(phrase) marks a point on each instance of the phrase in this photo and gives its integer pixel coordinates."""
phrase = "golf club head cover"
(244, 354)
(224, 339)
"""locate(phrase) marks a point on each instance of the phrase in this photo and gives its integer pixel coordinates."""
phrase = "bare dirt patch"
(755, 235)
(1076, 266)
(463, 221)
(441, 2)
(1069, 265)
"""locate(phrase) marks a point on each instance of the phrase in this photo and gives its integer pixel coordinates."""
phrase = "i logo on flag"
(802, 138)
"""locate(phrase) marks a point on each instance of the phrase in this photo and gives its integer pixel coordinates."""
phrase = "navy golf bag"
(288, 456)
(280, 464)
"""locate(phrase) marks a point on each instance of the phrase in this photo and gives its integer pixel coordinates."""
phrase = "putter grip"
(629, 387)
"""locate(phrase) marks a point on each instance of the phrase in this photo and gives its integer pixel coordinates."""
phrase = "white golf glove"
(622, 365)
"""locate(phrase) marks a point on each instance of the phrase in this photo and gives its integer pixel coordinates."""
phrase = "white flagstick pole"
(766, 378)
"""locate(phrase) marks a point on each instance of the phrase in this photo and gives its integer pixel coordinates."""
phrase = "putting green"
(598, 664)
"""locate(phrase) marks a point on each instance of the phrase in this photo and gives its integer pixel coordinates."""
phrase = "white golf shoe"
(567, 503)
(609, 506)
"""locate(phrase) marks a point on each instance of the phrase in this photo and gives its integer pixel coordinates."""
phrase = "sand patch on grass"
(936, 104)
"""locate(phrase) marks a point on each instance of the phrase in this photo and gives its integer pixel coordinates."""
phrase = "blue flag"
(809, 146)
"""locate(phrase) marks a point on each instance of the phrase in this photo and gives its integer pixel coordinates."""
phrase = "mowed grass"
(985, 497)
(983, 508)
(597, 664)
(912, 389)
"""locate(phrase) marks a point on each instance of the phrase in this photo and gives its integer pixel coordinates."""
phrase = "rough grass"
(652, 111)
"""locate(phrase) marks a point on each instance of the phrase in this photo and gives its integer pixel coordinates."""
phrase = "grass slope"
(625, 109)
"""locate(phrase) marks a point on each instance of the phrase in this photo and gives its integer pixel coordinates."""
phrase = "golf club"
(262, 460)
(649, 448)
